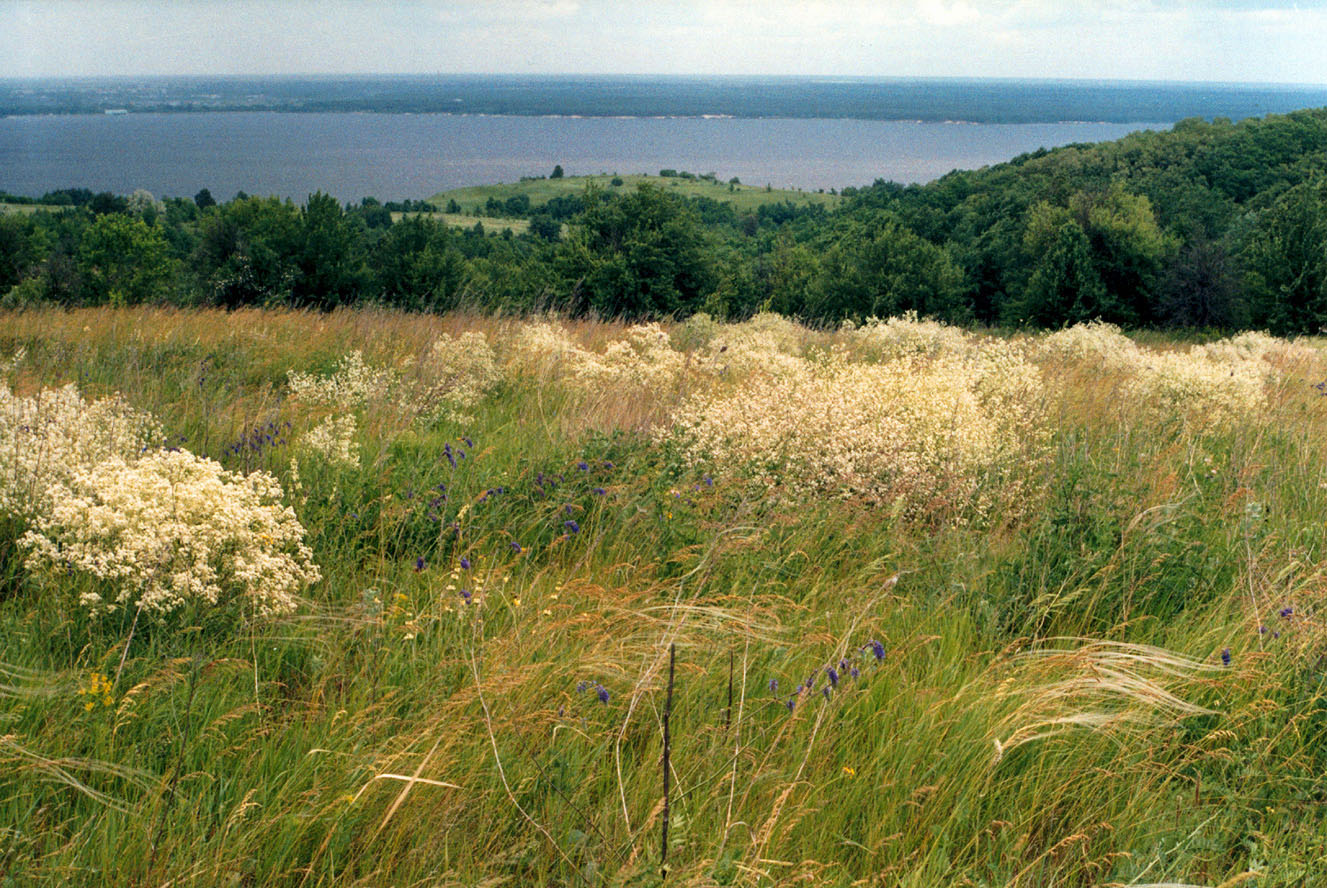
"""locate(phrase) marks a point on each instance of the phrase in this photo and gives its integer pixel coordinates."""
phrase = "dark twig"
(667, 754)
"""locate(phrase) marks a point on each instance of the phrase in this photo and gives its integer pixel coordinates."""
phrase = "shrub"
(171, 529)
(455, 376)
(916, 433)
(352, 384)
(48, 438)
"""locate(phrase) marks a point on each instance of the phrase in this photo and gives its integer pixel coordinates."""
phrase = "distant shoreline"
(956, 101)
(117, 112)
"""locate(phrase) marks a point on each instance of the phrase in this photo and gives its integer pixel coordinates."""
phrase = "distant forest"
(1214, 225)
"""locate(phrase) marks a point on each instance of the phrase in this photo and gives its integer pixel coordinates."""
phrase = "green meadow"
(743, 197)
(1081, 648)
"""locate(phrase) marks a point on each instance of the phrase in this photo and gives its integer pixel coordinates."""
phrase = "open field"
(23, 208)
(947, 608)
(744, 197)
(460, 220)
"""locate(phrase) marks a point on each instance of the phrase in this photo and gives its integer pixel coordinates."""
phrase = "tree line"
(1208, 225)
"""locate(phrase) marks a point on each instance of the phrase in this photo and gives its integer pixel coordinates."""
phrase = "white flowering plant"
(171, 529)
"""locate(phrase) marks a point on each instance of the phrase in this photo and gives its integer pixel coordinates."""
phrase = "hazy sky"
(1244, 40)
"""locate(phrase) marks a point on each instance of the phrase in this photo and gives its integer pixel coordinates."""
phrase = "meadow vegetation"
(369, 597)
(535, 193)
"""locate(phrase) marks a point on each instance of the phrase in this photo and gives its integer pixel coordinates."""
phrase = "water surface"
(393, 156)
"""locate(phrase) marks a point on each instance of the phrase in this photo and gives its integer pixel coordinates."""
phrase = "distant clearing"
(460, 220)
(540, 191)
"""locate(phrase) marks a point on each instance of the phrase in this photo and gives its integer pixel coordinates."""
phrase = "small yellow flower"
(516, 602)
(849, 771)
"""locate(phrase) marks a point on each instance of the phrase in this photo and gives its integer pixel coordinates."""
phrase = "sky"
(1236, 40)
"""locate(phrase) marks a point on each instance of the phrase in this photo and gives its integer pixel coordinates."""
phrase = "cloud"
(1136, 39)
(948, 15)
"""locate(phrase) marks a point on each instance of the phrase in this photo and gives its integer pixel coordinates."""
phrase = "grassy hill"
(460, 220)
(540, 191)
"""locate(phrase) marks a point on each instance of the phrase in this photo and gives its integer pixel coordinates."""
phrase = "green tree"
(640, 255)
(329, 261)
(122, 260)
(557, 172)
(204, 199)
(1285, 261)
(246, 251)
(1065, 287)
(417, 266)
(875, 267)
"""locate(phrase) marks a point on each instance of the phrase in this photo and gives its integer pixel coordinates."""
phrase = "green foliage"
(1210, 225)
(641, 255)
(1285, 260)
(877, 268)
(124, 261)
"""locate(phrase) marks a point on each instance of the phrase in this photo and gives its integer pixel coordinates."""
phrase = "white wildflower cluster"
(767, 344)
(920, 433)
(543, 350)
(353, 384)
(907, 337)
(1205, 394)
(455, 376)
(333, 440)
(1098, 345)
(13, 362)
(696, 332)
(1208, 387)
(171, 528)
(149, 526)
(643, 358)
(48, 438)
(1255, 345)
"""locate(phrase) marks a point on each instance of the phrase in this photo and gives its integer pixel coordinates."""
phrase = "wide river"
(394, 156)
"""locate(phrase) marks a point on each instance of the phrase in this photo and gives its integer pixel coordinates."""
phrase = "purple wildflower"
(602, 693)
(709, 482)
(582, 686)
(773, 685)
(420, 564)
(1287, 612)
(791, 704)
(877, 649)
(465, 563)
(583, 466)
(1262, 630)
(516, 547)
(833, 676)
(855, 672)
(599, 491)
(1225, 657)
(465, 593)
(825, 691)
(468, 442)
(607, 465)
(571, 526)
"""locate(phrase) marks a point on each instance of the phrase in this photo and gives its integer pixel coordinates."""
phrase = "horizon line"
(675, 76)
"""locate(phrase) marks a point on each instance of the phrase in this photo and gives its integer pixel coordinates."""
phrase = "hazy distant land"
(926, 99)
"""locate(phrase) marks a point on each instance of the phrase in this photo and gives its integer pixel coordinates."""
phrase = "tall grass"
(1030, 696)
